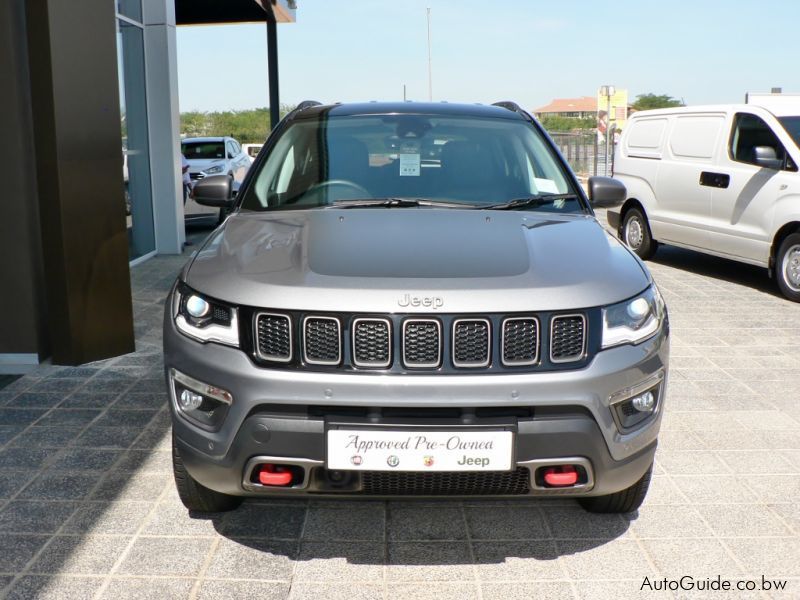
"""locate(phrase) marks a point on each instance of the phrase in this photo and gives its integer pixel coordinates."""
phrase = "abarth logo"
(427, 301)
(392, 461)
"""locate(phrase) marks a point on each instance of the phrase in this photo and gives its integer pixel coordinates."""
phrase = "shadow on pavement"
(718, 268)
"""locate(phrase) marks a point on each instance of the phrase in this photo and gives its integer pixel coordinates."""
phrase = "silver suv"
(413, 299)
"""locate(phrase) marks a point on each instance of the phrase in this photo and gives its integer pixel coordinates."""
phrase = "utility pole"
(430, 75)
(272, 69)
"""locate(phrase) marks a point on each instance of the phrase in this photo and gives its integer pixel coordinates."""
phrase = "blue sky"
(530, 51)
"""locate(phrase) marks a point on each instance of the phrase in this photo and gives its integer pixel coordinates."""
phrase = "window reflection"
(134, 139)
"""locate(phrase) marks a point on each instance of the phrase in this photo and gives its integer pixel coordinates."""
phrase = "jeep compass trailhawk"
(413, 299)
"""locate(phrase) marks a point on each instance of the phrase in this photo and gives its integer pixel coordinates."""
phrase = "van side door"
(743, 202)
(684, 202)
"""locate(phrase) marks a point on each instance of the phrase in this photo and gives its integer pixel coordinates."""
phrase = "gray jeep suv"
(413, 299)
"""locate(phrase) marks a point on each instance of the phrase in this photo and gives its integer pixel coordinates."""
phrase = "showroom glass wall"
(135, 145)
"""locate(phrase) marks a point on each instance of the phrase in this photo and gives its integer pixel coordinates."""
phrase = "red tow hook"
(274, 475)
(562, 476)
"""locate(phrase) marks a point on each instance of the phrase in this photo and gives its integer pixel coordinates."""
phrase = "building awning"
(215, 12)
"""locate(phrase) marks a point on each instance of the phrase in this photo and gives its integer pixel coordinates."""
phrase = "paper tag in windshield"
(548, 186)
(409, 165)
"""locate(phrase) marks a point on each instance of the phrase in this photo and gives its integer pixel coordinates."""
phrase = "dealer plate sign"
(383, 450)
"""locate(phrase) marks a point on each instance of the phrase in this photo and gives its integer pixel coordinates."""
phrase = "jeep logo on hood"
(431, 301)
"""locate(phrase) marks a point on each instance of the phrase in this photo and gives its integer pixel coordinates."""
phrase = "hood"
(199, 164)
(381, 260)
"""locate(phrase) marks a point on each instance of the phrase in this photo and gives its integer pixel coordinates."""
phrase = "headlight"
(214, 170)
(634, 320)
(205, 319)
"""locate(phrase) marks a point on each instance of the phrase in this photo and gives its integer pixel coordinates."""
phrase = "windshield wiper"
(538, 200)
(396, 203)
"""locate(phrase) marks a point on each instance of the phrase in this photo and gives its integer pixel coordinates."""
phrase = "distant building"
(577, 108)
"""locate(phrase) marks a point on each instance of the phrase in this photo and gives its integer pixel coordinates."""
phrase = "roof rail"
(307, 104)
(512, 106)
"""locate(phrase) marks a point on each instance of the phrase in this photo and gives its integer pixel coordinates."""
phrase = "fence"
(585, 154)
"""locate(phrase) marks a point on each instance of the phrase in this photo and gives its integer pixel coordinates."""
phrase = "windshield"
(466, 160)
(203, 150)
(792, 126)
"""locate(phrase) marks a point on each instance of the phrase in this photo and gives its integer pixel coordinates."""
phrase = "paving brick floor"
(88, 507)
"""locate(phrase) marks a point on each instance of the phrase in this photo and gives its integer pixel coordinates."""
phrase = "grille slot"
(471, 343)
(274, 337)
(447, 483)
(422, 343)
(372, 343)
(567, 338)
(520, 341)
(322, 341)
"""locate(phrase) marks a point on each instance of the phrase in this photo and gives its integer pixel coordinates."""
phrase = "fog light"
(645, 402)
(189, 400)
(203, 404)
(635, 410)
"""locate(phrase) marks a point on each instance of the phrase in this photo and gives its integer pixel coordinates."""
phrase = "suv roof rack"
(512, 106)
(307, 104)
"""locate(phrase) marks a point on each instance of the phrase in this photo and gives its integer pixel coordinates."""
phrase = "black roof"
(409, 108)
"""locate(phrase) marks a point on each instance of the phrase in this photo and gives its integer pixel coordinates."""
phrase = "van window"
(792, 127)
(645, 136)
(748, 132)
(695, 136)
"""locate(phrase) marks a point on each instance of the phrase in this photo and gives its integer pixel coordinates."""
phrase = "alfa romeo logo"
(392, 460)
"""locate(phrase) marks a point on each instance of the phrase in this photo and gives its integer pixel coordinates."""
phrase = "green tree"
(247, 126)
(649, 101)
(194, 123)
(560, 124)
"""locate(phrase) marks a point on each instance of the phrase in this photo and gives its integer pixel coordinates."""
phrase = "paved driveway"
(88, 507)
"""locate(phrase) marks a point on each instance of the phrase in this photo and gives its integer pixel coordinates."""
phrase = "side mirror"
(606, 192)
(765, 156)
(214, 190)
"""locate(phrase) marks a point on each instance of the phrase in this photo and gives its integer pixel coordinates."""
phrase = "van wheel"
(625, 501)
(636, 234)
(787, 267)
(194, 496)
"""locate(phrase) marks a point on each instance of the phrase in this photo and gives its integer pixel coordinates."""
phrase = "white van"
(719, 179)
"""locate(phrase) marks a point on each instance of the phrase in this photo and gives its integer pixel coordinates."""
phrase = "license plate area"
(419, 450)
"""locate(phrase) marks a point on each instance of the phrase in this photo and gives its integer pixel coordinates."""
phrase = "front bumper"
(285, 414)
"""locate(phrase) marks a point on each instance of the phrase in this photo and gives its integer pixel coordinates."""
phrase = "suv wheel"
(624, 501)
(787, 267)
(194, 496)
(635, 232)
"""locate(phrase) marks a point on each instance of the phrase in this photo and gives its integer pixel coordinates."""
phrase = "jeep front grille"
(422, 343)
(567, 338)
(472, 343)
(322, 341)
(372, 343)
(520, 341)
(405, 343)
(274, 337)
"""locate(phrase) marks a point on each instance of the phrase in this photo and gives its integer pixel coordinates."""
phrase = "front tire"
(194, 496)
(624, 501)
(635, 232)
(787, 267)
